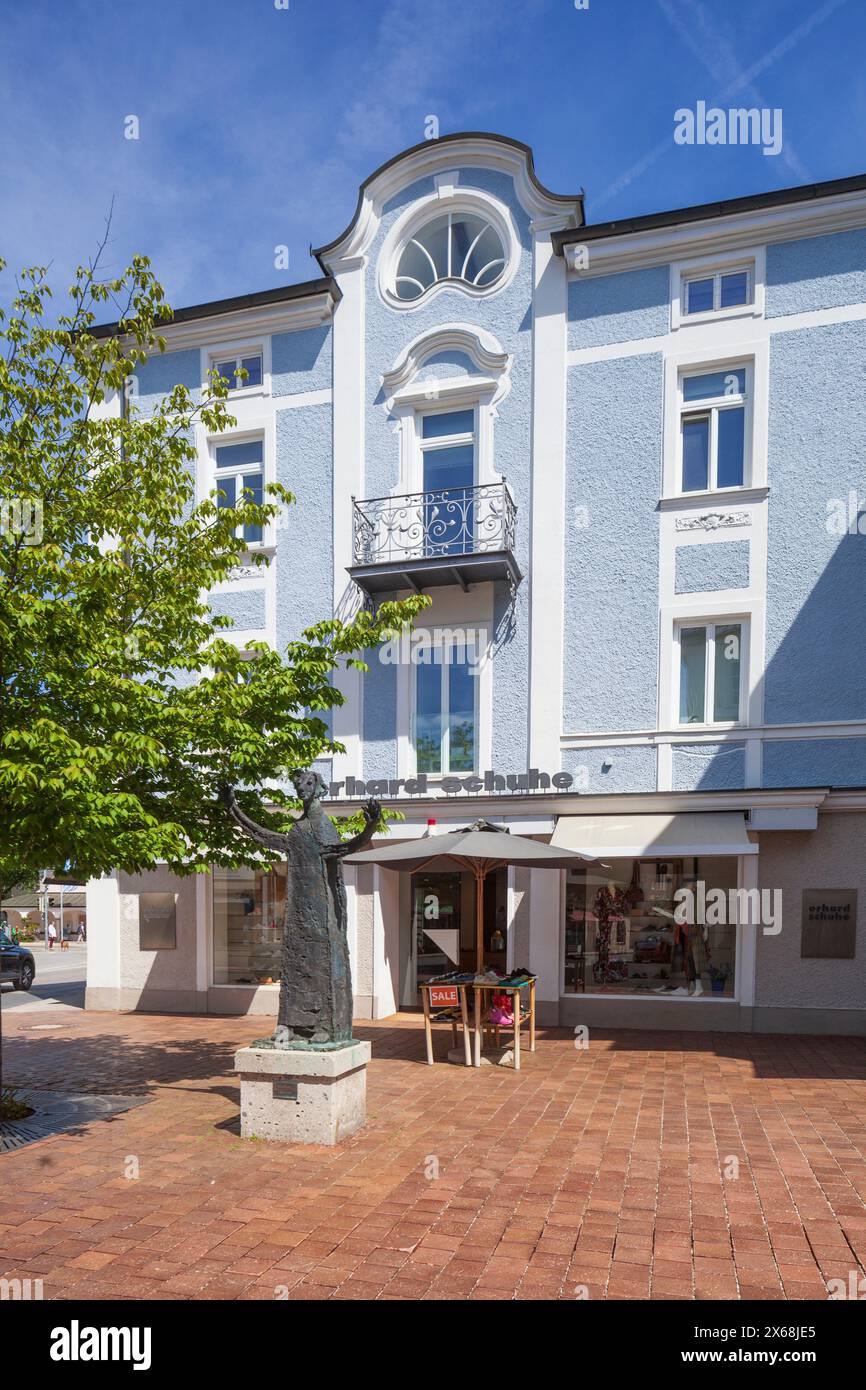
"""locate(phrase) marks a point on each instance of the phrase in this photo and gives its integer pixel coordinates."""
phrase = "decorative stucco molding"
(403, 394)
(713, 521)
(246, 572)
(431, 157)
(480, 346)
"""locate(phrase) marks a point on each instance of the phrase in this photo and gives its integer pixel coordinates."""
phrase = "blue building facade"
(625, 462)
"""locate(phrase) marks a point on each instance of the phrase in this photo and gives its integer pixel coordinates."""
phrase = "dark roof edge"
(321, 251)
(702, 212)
(283, 294)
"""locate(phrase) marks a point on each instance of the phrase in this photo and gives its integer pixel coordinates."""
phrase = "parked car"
(16, 963)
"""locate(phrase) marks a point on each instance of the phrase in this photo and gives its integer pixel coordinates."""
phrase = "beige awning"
(639, 837)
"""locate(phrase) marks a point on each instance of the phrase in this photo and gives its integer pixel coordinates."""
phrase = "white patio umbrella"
(480, 848)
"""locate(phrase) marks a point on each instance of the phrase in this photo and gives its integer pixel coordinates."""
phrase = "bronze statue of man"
(315, 977)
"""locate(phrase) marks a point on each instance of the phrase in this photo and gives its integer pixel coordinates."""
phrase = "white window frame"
(709, 624)
(407, 397)
(711, 354)
(450, 276)
(715, 277)
(463, 393)
(438, 636)
(238, 360)
(711, 405)
(751, 259)
(234, 350)
(445, 441)
(247, 436)
(454, 201)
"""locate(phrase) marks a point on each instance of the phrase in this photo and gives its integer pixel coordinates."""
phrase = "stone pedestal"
(303, 1096)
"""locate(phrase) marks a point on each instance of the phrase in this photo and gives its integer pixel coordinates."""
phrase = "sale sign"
(443, 995)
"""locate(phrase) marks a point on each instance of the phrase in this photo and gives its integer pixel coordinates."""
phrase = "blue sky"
(257, 124)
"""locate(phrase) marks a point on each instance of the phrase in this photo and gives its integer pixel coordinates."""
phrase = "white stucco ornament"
(713, 521)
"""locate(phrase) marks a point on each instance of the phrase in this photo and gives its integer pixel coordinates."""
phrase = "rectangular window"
(446, 707)
(723, 289)
(621, 936)
(230, 369)
(240, 468)
(713, 429)
(710, 673)
(248, 909)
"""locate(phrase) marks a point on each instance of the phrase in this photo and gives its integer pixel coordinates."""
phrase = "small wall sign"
(285, 1090)
(829, 924)
(157, 922)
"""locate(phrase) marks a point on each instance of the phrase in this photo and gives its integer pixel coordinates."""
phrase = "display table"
(484, 992)
(446, 1003)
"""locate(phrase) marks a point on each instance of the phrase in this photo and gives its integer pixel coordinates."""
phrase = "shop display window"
(622, 936)
(248, 908)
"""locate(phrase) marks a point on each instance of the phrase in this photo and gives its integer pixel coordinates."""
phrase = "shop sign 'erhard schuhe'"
(494, 783)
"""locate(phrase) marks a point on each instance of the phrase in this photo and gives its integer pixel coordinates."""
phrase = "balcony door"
(448, 452)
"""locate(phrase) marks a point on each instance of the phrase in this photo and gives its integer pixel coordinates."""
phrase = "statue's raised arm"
(372, 815)
(272, 839)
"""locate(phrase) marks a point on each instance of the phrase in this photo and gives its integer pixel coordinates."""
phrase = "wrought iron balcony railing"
(443, 521)
(441, 536)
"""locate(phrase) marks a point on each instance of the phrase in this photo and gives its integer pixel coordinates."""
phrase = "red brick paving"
(603, 1170)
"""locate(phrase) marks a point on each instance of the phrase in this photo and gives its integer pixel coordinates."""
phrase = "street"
(60, 979)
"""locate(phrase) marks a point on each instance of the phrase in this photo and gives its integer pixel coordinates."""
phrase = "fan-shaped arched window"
(460, 246)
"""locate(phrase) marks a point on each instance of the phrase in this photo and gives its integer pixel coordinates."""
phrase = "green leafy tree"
(12, 882)
(123, 705)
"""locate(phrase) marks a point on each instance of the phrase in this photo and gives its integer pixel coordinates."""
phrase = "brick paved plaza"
(603, 1168)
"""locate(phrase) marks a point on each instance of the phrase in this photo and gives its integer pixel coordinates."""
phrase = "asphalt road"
(60, 979)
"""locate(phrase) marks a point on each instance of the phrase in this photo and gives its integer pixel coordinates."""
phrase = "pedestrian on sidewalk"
(52, 935)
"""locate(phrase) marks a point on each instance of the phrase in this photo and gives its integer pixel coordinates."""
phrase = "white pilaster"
(747, 935)
(203, 932)
(545, 931)
(348, 427)
(386, 941)
(103, 942)
(546, 579)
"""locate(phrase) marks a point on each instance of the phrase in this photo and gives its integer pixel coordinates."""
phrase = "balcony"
(455, 535)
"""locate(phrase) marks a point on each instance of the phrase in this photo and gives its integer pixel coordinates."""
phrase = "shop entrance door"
(435, 926)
